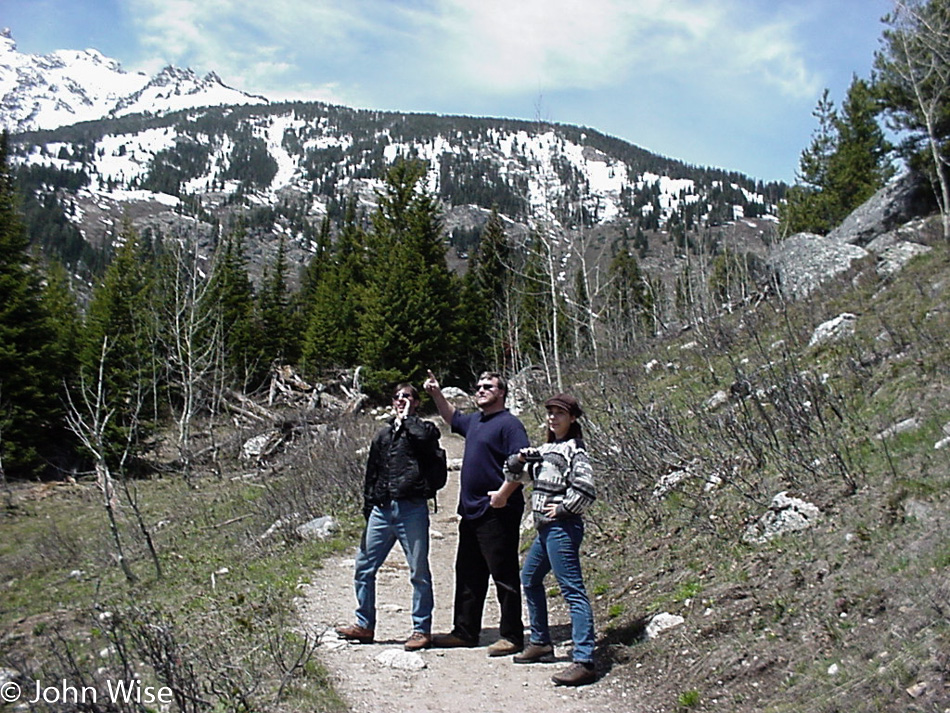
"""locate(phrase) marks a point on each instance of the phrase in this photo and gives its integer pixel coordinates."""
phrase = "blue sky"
(725, 83)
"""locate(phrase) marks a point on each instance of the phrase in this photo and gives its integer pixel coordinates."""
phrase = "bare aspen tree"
(191, 336)
(588, 304)
(553, 251)
(551, 244)
(914, 72)
(89, 421)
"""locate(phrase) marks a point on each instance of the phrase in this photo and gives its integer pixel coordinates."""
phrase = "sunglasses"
(398, 397)
(484, 387)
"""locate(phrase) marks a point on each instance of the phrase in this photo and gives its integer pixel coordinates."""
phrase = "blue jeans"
(408, 522)
(557, 549)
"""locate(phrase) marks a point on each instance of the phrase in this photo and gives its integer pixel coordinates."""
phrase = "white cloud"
(492, 47)
(501, 46)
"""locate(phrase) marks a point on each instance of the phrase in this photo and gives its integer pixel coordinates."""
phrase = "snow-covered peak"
(69, 86)
(6, 41)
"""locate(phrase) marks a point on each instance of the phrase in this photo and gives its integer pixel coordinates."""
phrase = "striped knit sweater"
(564, 477)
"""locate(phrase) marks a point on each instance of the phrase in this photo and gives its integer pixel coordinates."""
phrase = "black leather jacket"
(392, 469)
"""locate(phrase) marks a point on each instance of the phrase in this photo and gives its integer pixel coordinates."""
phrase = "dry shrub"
(321, 474)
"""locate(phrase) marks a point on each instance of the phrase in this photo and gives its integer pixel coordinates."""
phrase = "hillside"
(283, 169)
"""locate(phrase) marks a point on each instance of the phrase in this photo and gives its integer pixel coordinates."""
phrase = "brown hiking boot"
(356, 633)
(577, 674)
(504, 647)
(417, 641)
(536, 653)
(451, 641)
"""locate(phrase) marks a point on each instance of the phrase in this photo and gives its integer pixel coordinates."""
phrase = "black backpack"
(433, 465)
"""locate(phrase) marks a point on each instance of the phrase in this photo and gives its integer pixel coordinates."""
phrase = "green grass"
(222, 592)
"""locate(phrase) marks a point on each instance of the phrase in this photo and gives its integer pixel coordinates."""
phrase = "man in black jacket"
(395, 492)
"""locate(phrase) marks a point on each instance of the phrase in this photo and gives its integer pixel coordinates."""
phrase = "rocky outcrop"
(804, 261)
(901, 200)
(886, 226)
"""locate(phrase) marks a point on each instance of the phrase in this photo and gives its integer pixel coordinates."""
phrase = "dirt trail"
(457, 680)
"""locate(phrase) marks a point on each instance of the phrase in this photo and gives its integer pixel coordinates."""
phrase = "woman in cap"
(563, 489)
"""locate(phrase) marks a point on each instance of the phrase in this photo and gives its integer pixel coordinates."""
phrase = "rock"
(668, 481)
(833, 330)
(902, 199)
(804, 261)
(318, 529)
(906, 233)
(520, 389)
(785, 514)
(716, 401)
(908, 424)
(892, 259)
(452, 393)
(254, 446)
(917, 690)
(403, 660)
(662, 622)
(329, 639)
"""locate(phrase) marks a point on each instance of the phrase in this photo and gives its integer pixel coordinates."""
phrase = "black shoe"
(536, 653)
(577, 674)
(451, 641)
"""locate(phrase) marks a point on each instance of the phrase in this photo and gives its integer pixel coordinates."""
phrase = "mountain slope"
(300, 159)
(68, 86)
(176, 158)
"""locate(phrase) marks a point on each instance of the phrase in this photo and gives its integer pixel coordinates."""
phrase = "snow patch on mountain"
(69, 86)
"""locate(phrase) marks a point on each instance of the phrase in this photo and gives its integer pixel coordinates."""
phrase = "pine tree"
(232, 298)
(409, 320)
(121, 315)
(30, 373)
(806, 208)
(630, 301)
(317, 266)
(845, 164)
(277, 329)
(487, 329)
(859, 165)
(334, 307)
(65, 320)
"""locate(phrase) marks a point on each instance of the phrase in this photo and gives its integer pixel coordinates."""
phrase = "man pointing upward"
(490, 510)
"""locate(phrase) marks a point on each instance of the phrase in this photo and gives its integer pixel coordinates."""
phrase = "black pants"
(488, 546)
